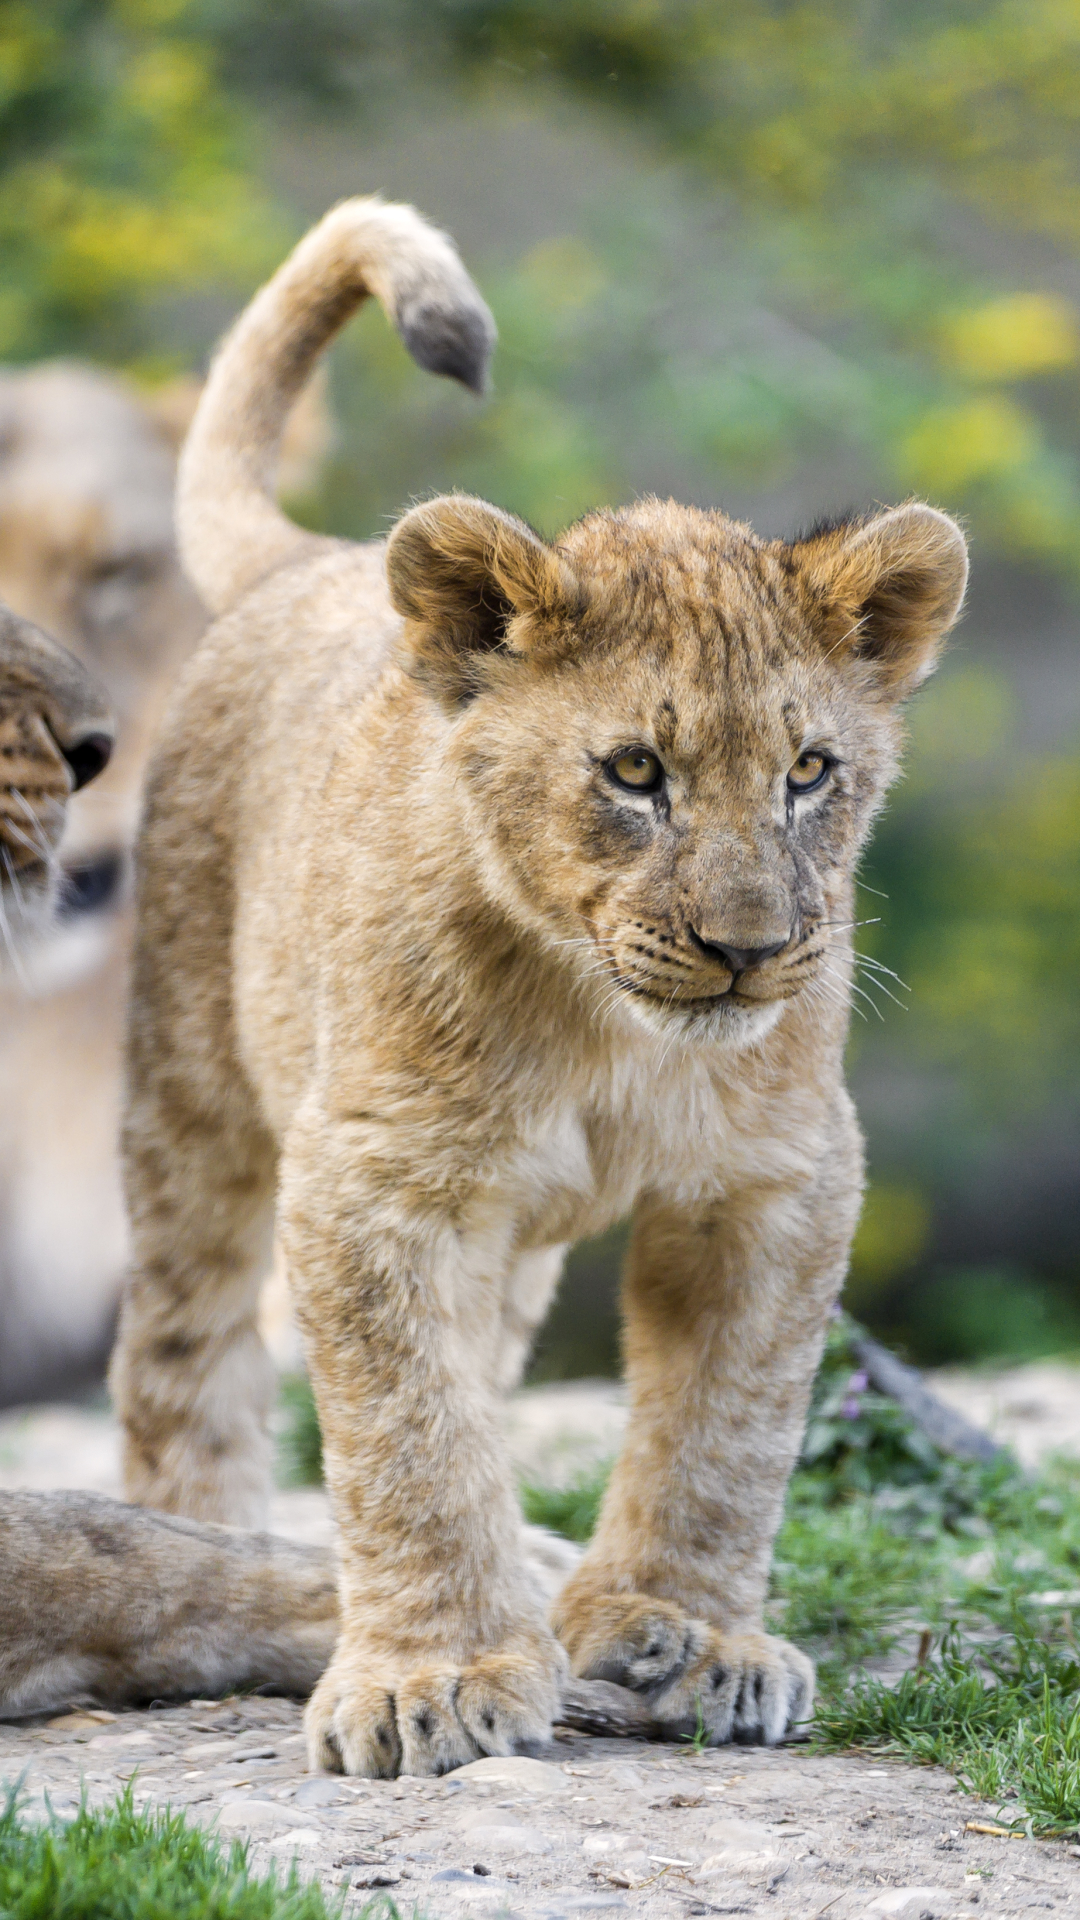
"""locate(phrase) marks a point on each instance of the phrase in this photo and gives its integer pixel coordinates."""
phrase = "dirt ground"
(589, 1825)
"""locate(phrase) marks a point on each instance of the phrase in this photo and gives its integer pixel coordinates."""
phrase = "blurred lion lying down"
(87, 472)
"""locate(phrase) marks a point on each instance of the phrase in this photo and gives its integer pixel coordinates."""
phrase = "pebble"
(295, 1837)
(507, 1836)
(517, 1770)
(898, 1899)
(242, 1814)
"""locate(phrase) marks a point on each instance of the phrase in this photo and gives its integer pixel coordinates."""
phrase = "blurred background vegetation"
(779, 258)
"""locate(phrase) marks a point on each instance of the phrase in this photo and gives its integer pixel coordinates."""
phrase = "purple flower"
(856, 1386)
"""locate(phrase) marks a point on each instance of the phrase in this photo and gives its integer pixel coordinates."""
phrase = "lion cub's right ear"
(472, 580)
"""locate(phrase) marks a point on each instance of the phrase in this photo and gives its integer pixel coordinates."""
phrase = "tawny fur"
(56, 734)
(413, 964)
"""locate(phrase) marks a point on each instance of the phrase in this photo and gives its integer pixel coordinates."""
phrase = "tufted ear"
(892, 587)
(462, 573)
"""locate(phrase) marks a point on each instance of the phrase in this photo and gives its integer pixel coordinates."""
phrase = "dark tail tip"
(457, 342)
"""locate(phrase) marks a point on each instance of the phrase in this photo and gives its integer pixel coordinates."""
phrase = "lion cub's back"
(230, 843)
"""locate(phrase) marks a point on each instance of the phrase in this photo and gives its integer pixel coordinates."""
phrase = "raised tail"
(232, 532)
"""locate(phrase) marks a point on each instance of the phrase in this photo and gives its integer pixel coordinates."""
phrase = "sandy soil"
(587, 1826)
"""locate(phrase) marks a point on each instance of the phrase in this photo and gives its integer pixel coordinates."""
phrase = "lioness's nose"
(738, 959)
(87, 757)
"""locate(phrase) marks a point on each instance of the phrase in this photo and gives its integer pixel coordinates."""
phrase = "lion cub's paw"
(748, 1687)
(364, 1718)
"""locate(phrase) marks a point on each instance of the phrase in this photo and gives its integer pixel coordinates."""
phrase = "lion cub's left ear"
(892, 586)
(464, 573)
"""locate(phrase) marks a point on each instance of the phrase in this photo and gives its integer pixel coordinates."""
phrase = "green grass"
(119, 1864)
(887, 1550)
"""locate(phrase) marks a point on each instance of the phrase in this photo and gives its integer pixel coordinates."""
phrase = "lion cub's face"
(674, 736)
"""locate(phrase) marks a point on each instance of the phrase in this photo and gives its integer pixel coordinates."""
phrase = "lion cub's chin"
(724, 1023)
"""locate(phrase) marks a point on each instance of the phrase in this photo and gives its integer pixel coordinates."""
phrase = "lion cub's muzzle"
(697, 969)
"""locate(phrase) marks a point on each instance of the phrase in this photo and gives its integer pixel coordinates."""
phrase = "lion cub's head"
(674, 735)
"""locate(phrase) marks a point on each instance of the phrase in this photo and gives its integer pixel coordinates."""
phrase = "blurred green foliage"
(877, 291)
(122, 173)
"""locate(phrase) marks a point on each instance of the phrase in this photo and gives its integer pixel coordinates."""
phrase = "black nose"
(737, 959)
(87, 757)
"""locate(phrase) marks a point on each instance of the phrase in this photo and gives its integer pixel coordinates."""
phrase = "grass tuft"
(299, 1461)
(572, 1510)
(119, 1864)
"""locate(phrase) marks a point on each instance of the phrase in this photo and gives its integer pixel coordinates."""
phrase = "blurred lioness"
(86, 551)
(87, 473)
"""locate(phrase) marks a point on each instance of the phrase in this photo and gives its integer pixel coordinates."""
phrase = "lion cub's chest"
(580, 1164)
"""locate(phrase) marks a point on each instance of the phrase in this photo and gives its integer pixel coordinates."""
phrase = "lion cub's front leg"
(726, 1310)
(443, 1653)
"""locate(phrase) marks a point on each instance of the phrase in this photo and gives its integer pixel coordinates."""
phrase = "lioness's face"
(55, 736)
(675, 742)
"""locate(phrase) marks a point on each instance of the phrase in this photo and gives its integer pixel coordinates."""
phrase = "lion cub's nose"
(737, 959)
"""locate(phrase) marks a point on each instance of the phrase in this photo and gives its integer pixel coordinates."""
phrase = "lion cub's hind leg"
(191, 1378)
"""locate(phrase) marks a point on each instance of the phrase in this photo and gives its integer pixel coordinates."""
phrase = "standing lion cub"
(493, 889)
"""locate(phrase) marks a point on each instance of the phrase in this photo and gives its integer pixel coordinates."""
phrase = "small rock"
(121, 1742)
(86, 1720)
(241, 1814)
(506, 1836)
(320, 1792)
(376, 1877)
(591, 1903)
(622, 1774)
(741, 1843)
(898, 1899)
(295, 1837)
(515, 1770)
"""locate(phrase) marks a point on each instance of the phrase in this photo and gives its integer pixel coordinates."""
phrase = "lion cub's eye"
(637, 769)
(808, 772)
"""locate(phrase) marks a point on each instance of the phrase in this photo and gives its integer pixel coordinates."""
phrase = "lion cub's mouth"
(728, 998)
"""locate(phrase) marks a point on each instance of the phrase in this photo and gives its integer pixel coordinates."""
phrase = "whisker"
(868, 960)
(13, 952)
(880, 984)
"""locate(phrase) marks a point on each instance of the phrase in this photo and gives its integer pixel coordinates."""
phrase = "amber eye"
(808, 772)
(637, 769)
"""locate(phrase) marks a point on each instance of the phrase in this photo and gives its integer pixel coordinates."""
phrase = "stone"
(504, 1835)
(241, 1813)
(295, 1837)
(320, 1792)
(515, 1770)
(739, 1843)
(898, 1899)
(622, 1774)
(87, 1720)
(110, 1743)
(586, 1903)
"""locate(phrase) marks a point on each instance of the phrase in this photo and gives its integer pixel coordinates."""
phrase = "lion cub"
(493, 889)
